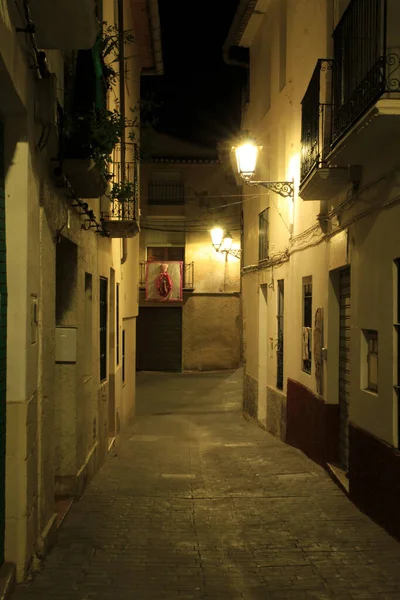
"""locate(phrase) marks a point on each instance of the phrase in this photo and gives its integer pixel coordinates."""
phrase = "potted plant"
(90, 131)
(88, 143)
(123, 200)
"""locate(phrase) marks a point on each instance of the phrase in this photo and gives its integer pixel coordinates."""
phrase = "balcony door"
(160, 253)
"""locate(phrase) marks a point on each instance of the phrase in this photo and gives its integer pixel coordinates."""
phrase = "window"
(307, 325)
(160, 253)
(372, 339)
(166, 188)
(103, 328)
(369, 347)
(117, 321)
(123, 356)
(279, 348)
(88, 325)
(263, 231)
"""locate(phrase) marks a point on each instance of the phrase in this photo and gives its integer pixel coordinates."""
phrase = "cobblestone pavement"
(199, 503)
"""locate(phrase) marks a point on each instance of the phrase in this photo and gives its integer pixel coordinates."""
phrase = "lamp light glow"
(246, 158)
(217, 235)
(222, 242)
(227, 242)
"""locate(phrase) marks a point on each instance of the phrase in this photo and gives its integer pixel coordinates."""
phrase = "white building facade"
(70, 252)
(321, 268)
(185, 193)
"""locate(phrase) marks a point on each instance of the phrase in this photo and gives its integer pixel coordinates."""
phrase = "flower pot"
(85, 178)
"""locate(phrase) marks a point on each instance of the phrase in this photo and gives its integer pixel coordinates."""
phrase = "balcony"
(366, 80)
(120, 206)
(318, 180)
(64, 24)
(188, 275)
(88, 133)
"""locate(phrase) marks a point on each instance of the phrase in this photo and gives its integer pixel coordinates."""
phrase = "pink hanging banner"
(164, 281)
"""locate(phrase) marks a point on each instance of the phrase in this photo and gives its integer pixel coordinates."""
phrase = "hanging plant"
(123, 192)
(108, 45)
(90, 130)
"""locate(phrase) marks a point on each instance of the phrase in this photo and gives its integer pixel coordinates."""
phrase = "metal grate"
(125, 179)
(315, 120)
(103, 328)
(188, 276)
(344, 364)
(279, 348)
(263, 234)
(363, 67)
(166, 192)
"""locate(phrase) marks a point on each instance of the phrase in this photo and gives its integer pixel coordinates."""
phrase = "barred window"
(263, 235)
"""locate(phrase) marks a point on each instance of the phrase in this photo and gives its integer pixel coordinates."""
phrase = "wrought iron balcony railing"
(366, 60)
(316, 118)
(188, 275)
(124, 192)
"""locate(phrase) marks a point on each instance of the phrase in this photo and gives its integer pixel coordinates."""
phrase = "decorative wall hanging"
(164, 281)
(318, 344)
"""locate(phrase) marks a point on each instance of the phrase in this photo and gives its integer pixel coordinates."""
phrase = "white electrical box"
(66, 342)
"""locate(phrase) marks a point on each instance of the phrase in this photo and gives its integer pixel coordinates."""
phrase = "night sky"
(200, 94)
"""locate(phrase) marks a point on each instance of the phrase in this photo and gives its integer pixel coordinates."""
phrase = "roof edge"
(236, 30)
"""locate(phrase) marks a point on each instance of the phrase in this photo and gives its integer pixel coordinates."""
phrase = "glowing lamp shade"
(217, 235)
(227, 242)
(246, 158)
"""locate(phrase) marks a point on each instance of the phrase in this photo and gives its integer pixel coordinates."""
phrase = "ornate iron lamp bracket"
(236, 253)
(283, 188)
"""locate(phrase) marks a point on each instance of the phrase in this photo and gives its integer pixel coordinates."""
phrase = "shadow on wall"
(66, 281)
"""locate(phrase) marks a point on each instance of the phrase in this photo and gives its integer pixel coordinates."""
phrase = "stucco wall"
(57, 414)
(211, 332)
(370, 243)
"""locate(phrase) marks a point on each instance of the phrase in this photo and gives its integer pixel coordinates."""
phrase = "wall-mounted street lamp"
(246, 158)
(222, 242)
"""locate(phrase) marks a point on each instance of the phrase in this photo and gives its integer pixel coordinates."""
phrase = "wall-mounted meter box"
(66, 344)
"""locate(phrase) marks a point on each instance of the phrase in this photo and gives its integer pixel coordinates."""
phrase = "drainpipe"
(245, 6)
(231, 61)
(124, 250)
(121, 52)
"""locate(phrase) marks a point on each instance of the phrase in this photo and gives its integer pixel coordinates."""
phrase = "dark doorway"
(159, 339)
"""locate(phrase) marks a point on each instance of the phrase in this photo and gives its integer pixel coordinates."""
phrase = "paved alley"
(199, 503)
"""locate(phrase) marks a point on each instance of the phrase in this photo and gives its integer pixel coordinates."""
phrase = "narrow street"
(196, 502)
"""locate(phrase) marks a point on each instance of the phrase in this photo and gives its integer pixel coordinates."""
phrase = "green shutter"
(3, 341)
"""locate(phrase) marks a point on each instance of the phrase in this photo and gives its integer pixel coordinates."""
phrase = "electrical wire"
(325, 237)
(182, 230)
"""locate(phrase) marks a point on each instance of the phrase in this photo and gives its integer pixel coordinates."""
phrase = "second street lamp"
(222, 242)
